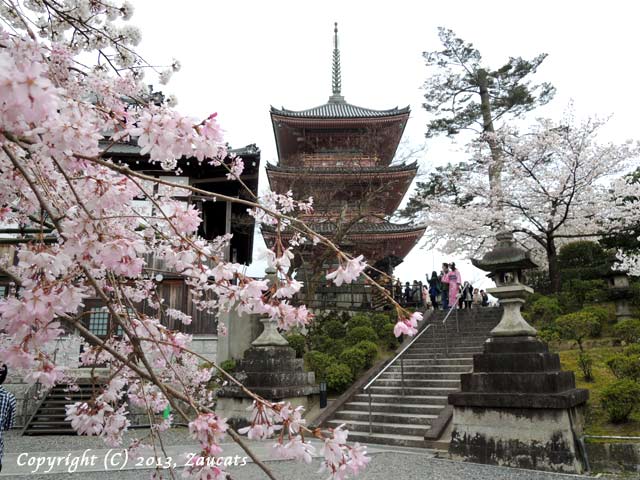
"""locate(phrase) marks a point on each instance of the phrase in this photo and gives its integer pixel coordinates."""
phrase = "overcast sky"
(239, 57)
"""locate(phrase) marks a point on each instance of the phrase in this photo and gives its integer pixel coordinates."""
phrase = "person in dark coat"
(435, 288)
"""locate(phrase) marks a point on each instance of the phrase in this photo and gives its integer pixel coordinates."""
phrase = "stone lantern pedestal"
(270, 369)
(517, 408)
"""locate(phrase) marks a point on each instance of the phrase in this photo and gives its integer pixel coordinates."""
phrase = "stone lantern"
(506, 264)
(269, 368)
(517, 408)
(620, 292)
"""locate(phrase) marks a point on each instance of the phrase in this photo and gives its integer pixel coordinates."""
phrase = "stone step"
(457, 339)
(442, 348)
(42, 415)
(394, 408)
(56, 401)
(49, 431)
(72, 397)
(431, 369)
(419, 383)
(400, 399)
(443, 354)
(50, 424)
(431, 360)
(428, 391)
(426, 375)
(387, 439)
(385, 417)
(381, 427)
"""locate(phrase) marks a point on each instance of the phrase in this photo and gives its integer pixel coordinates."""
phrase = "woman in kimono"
(454, 279)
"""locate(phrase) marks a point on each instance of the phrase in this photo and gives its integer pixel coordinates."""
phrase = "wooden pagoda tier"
(338, 134)
(367, 190)
(341, 155)
(376, 241)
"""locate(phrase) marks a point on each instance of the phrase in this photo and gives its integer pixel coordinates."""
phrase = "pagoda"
(341, 155)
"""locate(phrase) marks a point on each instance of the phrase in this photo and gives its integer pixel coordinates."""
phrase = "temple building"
(341, 155)
(218, 218)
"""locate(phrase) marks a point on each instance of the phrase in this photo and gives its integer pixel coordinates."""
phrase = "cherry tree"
(69, 80)
(464, 93)
(559, 182)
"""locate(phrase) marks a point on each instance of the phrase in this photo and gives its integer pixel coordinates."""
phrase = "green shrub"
(578, 292)
(550, 334)
(577, 326)
(370, 351)
(321, 342)
(339, 377)
(358, 334)
(543, 311)
(298, 342)
(585, 363)
(388, 338)
(628, 330)
(336, 347)
(318, 363)
(354, 358)
(625, 366)
(228, 366)
(620, 399)
(633, 349)
(379, 320)
(334, 328)
(603, 313)
(580, 254)
(359, 320)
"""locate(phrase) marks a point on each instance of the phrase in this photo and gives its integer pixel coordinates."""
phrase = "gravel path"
(383, 466)
(387, 462)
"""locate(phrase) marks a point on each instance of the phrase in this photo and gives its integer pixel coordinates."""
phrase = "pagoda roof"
(402, 167)
(361, 228)
(339, 110)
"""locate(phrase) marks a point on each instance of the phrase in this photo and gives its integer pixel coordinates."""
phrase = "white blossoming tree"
(559, 183)
(90, 241)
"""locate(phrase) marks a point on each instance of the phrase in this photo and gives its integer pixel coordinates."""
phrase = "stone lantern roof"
(506, 255)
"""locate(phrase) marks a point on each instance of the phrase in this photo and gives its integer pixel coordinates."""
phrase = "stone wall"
(205, 345)
(26, 400)
(614, 457)
(539, 439)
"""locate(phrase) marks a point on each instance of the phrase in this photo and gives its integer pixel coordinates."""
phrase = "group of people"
(444, 290)
(449, 288)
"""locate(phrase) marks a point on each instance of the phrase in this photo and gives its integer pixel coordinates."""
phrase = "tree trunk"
(495, 169)
(552, 259)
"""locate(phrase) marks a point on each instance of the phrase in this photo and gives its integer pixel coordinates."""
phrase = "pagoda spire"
(336, 79)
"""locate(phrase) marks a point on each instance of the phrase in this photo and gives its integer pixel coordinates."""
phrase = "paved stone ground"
(387, 462)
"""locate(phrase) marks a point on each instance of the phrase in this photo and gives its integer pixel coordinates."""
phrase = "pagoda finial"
(336, 78)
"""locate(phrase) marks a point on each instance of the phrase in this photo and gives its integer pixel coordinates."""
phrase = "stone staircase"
(49, 417)
(432, 368)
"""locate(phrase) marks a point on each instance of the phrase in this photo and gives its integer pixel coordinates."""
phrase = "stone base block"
(540, 439)
(237, 410)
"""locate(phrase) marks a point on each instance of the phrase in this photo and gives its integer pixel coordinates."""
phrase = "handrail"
(366, 387)
(399, 356)
(444, 322)
(451, 309)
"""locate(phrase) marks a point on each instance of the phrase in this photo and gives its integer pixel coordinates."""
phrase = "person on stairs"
(467, 294)
(434, 289)
(453, 279)
(445, 286)
(7, 410)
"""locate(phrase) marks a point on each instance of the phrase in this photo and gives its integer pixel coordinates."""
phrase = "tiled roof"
(339, 110)
(345, 170)
(362, 228)
(128, 148)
